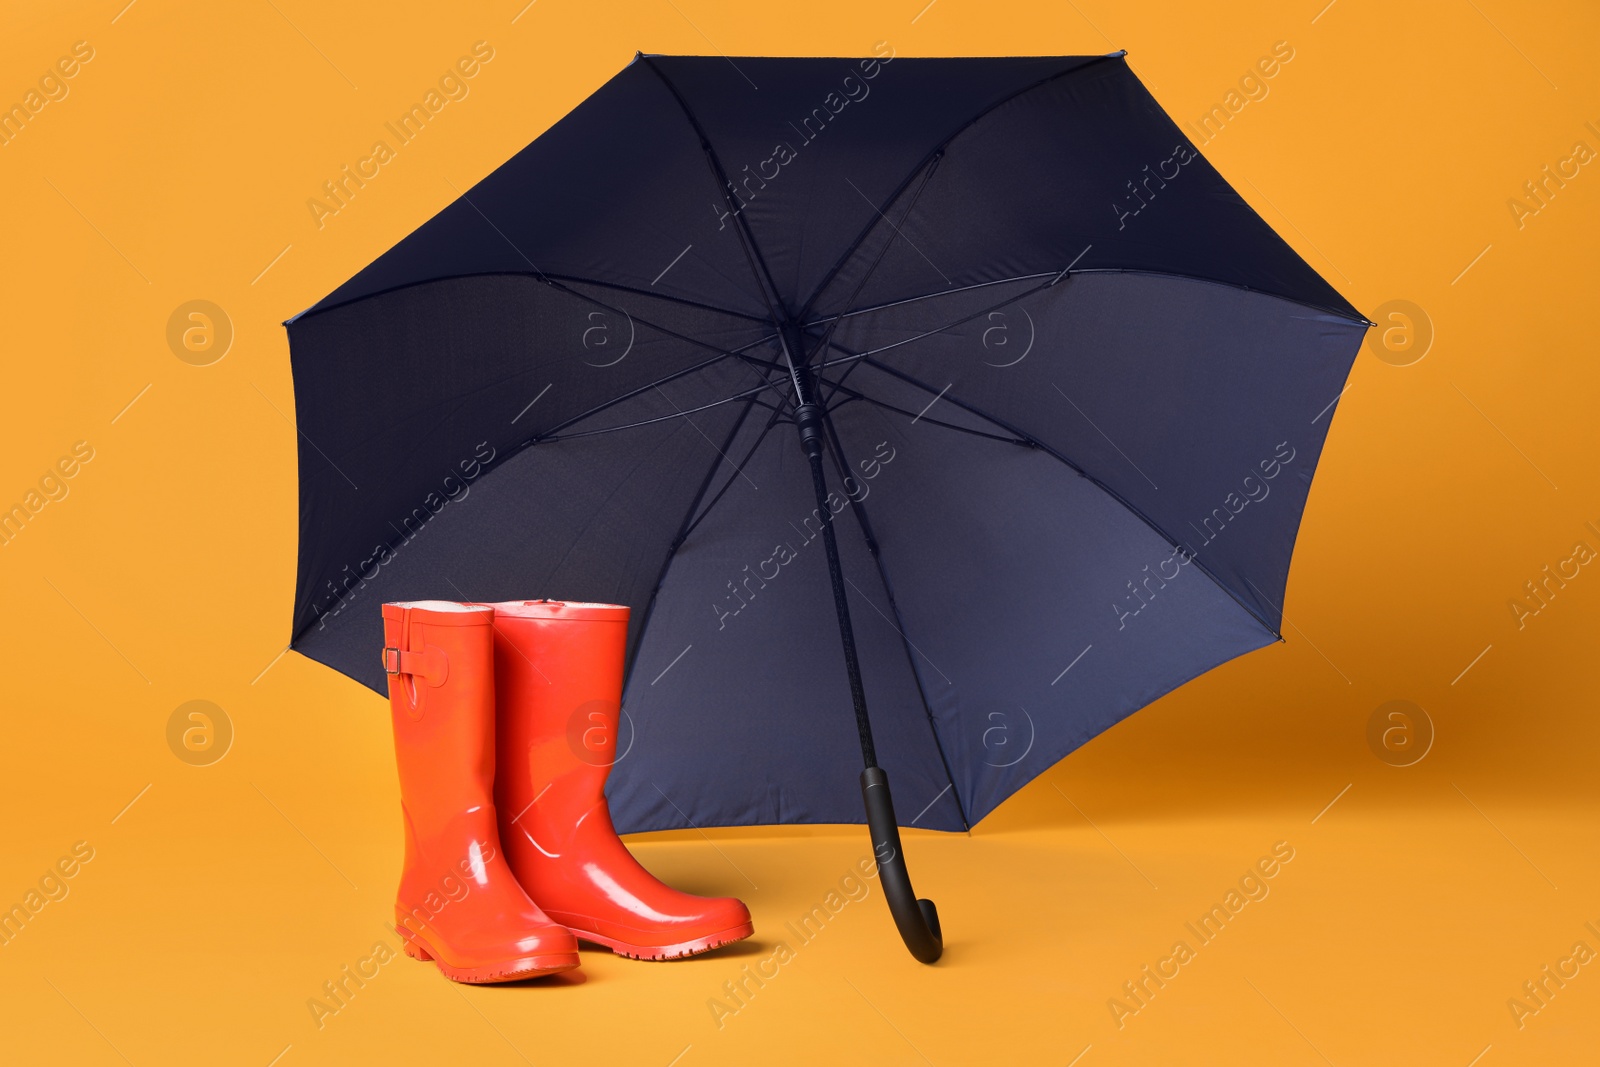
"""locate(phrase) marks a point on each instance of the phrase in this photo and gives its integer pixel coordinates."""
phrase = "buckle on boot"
(431, 664)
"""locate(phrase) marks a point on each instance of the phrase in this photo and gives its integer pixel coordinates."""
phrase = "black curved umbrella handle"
(917, 919)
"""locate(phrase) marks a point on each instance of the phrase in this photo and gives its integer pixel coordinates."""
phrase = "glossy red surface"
(458, 903)
(558, 675)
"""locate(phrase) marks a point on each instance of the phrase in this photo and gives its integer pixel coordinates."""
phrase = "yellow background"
(178, 167)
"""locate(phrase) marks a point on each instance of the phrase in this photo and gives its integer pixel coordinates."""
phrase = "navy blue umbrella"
(975, 364)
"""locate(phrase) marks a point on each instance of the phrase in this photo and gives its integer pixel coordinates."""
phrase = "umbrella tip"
(1118, 54)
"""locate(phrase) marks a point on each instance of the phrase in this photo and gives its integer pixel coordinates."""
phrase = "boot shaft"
(440, 659)
(558, 676)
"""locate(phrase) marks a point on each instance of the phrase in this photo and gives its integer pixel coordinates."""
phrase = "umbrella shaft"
(917, 920)
(809, 418)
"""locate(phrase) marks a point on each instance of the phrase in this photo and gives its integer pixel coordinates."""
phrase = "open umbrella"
(974, 368)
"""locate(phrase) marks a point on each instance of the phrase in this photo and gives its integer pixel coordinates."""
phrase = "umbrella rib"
(859, 509)
(563, 288)
(594, 515)
(394, 543)
(935, 296)
(1097, 270)
(537, 275)
(821, 381)
(756, 391)
(1251, 610)
(630, 394)
(841, 388)
(698, 519)
(866, 276)
(833, 387)
(939, 149)
(683, 533)
(657, 296)
(537, 438)
(869, 353)
(758, 263)
(1230, 285)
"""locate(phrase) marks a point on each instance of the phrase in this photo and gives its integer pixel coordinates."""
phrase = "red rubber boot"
(558, 678)
(459, 903)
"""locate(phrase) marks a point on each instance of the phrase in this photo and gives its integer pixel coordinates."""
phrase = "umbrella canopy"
(1069, 387)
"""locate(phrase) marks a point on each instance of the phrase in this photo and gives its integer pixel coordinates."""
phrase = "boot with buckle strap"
(459, 904)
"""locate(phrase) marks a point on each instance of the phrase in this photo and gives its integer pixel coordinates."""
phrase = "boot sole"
(509, 971)
(669, 952)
